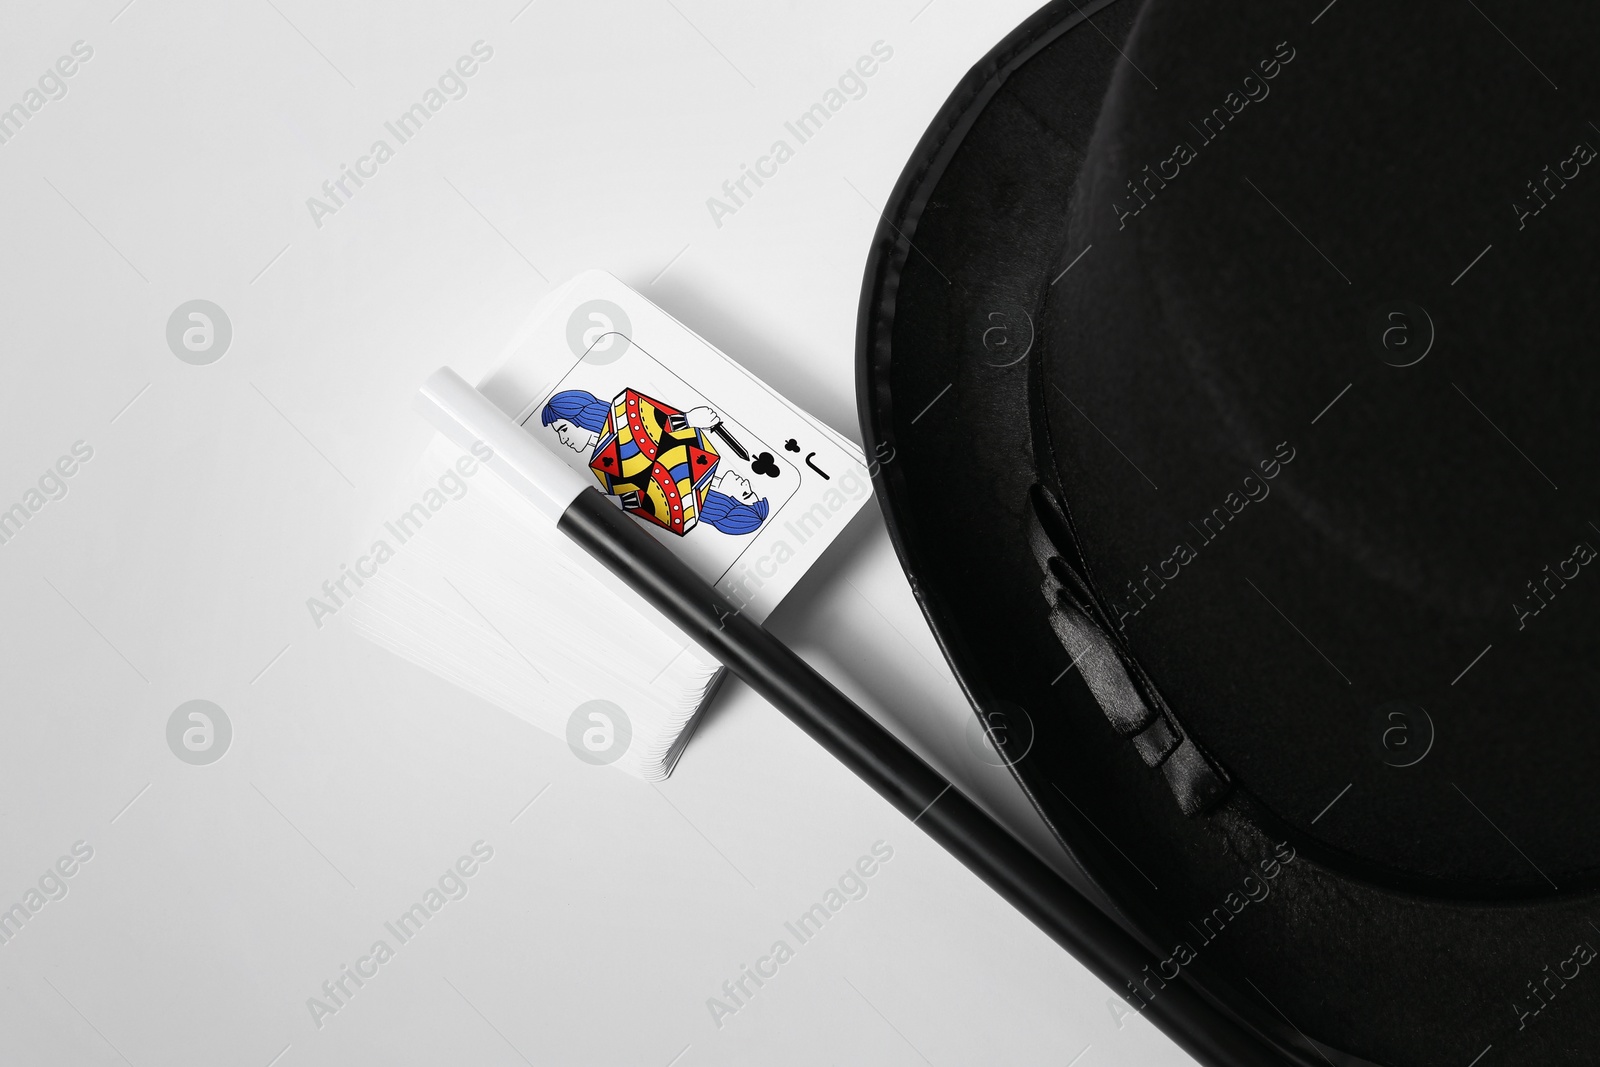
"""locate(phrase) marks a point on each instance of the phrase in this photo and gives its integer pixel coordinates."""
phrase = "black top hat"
(1232, 373)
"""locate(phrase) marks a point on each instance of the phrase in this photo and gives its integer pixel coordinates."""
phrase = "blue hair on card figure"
(659, 462)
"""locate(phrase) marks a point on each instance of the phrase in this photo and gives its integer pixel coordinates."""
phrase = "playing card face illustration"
(661, 466)
(732, 478)
(668, 453)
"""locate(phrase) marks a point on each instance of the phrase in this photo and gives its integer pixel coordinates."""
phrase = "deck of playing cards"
(735, 480)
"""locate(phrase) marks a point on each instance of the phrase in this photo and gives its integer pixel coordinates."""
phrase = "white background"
(216, 502)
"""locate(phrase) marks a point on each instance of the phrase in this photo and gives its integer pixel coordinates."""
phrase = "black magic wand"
(769, 667)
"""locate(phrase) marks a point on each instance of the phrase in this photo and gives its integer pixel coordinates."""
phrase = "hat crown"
(1339, 303)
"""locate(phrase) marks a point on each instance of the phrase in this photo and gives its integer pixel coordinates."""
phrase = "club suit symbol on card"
(792, 445)
(659, 462)
(765, 464)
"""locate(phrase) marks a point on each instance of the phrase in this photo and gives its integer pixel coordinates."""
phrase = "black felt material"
(1403, 931)
(1221, 310)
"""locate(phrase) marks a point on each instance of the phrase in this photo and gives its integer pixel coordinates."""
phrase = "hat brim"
(948, 392)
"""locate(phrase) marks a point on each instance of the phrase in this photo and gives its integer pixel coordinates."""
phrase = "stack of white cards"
(735, 480)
